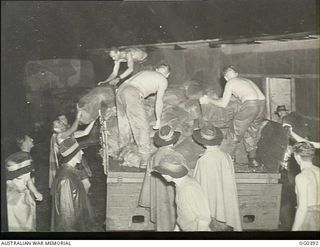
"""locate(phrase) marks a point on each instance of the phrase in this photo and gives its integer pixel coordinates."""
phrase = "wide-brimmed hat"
(18, 164)
(68, 149)
(172, 166)
(208, 135)
(166, 136)
(281, 108)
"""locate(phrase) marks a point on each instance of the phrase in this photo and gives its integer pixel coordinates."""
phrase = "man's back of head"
(164, 69)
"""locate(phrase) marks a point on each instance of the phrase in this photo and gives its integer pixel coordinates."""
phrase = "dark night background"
(60, 29)
(32, 30)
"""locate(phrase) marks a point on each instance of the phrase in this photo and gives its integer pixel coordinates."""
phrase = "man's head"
(208, 136)
(166, 136)
(63, 119)
(229, 73)
(58, 126)
(281, 111)
(114, 53)
(25, 143)
(164, 69)
(303, 152)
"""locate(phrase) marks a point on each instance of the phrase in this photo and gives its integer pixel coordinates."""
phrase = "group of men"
(204, 199)
(132, 117)
(193, 201)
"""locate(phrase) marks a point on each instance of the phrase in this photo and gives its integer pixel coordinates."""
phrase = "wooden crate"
(122, 211)
(259, 200)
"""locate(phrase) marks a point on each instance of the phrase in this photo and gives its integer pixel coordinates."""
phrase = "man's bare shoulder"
(163, 82)
(231, 83)
(134, 51)
(245, 79)
(238, 79)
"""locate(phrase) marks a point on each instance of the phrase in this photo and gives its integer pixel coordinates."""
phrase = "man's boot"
(252, 159)
(254, 163)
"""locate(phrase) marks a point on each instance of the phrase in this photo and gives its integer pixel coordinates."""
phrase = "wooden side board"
(259, 197)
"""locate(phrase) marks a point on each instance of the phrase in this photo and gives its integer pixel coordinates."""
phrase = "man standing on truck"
(130, 56)
(248, 119)
(131, 114)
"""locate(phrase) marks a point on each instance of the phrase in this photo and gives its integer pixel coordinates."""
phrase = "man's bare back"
(130, 56)
(244, 89)
(137, 54)
(148, 82)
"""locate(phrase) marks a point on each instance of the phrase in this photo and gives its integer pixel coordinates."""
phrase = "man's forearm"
(126, 73)
(301, 139)
(71, 130)
(298, 138)
(85, 132)
(159, 107)
(32, 187)
(110, 78)
(218, 102)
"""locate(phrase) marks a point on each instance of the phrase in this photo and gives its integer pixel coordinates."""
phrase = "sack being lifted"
(90, 103)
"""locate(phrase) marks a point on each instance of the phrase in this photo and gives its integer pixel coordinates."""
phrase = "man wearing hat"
(157, 194)
(21, 191)
(215, 173)
(248, 119)
(71, 211)
(62, 131)
(281, 112)
(193, 213)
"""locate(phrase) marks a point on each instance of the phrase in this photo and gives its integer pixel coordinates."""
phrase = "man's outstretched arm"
(159, 104)
(114, 73)
(222, 102)
(129, 70)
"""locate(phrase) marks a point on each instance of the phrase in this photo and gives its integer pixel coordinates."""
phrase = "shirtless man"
(131, 114)
(248, 119)
(129, 56)
(307, 216)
